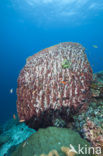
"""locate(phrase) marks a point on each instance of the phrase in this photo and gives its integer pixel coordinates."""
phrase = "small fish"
(14, 116)
(11, 91)
(63, 82)
(21, 120)
(94, 46)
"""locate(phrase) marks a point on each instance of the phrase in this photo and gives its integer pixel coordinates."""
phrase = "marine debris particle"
(11, 91)
(95, 46)
(21, 120)
(53, 80)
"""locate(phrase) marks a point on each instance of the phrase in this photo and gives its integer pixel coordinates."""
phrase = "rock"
(54, 85)
(50, 139)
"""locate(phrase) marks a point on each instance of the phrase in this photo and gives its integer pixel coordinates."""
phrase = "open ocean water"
(28, 26)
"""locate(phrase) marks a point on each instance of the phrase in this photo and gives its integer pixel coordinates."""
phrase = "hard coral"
(51, 153)
(65, 150)
(52, 140)
(93, 133)
(54, 84)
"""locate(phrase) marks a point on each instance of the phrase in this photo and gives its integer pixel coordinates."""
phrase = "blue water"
(28, 26)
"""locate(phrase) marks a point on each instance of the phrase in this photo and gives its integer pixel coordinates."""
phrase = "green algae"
(66, 64)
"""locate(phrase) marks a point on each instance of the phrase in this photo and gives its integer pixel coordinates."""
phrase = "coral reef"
(90, 123)
(66, 150)
(56, 141)
(97, 85)
(93, 133)
(94, 113)
(54, 85)
(3, 139)
(51, 141)
(51, 153)
(13, 134)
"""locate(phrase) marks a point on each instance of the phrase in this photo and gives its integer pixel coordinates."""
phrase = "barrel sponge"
(54, 83)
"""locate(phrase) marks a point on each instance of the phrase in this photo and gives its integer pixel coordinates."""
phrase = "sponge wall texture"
(54, 83)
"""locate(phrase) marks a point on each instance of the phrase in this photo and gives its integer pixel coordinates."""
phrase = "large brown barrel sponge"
(54, 84)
